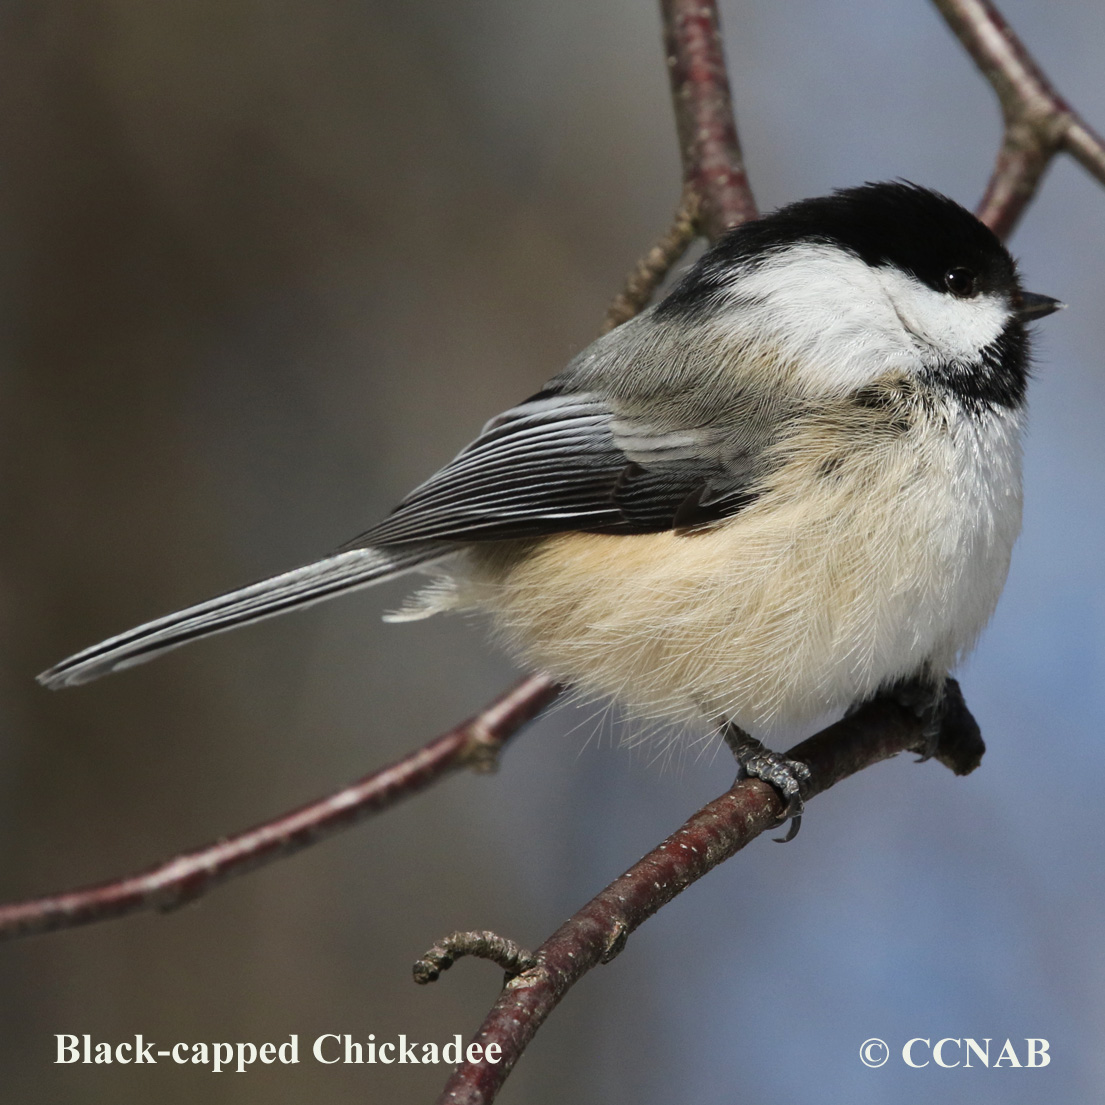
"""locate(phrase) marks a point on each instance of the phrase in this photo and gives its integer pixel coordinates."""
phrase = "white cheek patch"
(838, 323)
(957, 329)
(826, 313)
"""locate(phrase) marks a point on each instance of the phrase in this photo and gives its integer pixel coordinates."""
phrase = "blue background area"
(264, 270)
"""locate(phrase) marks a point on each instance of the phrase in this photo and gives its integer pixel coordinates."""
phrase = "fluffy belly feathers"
(863, 562)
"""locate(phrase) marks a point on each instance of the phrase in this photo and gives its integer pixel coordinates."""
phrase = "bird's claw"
(786, 776)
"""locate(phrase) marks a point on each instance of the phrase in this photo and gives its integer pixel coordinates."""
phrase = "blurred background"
(264, 268)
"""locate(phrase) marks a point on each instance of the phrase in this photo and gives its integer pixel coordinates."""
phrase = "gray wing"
(569, 461)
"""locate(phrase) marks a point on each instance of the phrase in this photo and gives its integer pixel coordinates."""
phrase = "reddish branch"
(713, 167)
(599, 931)
(716, 192)
(473, 744)
(1039, 123)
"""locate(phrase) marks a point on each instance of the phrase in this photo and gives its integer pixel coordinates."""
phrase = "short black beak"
(1032, 306)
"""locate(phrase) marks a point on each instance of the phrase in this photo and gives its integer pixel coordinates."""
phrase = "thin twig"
(651, 269)
(600, 929)
(1039, 123)
(1086, 147)
(473, 744)
(713, 166)
(512, 957)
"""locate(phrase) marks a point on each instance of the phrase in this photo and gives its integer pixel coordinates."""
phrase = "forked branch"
(716, 192)
(599, 931)
(1039, 123)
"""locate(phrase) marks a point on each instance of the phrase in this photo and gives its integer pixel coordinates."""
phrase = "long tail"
(345, 571)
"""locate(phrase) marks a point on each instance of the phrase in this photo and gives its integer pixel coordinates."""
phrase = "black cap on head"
(895, 223)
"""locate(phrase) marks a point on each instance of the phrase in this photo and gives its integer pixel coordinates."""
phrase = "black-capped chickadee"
(792, 484)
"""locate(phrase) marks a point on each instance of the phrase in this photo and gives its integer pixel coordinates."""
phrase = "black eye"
(961, 282)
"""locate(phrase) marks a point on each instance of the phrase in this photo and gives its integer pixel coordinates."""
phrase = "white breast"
(982, 517)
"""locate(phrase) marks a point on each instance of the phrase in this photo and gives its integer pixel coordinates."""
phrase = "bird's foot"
(786, 776)
(949, 732)
(927, 702)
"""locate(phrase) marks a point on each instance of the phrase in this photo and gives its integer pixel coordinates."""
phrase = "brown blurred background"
(264, 268)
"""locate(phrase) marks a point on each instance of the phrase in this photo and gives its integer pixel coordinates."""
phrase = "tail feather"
(300, 587)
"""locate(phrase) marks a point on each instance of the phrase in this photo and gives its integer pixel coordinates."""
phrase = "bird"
(791, 485)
